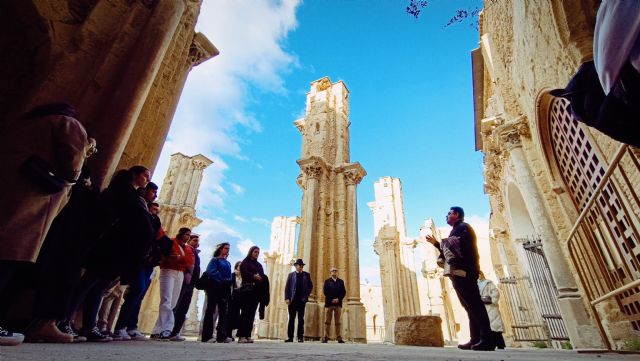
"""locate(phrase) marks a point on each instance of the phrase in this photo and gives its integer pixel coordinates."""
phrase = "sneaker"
(121, 335)
(68, 329)
(46, 331)
(155, 336)
(8, 338)
(249, 340)
(226, 340)
(94, 335)
(165, 335)
(177, 338)
(136, 335)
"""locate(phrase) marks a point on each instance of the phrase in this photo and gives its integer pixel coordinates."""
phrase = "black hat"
(299, 261)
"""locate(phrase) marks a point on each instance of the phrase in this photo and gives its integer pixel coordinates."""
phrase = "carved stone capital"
(312, 167)
(199, 164)
(512, 132)
(201, 50)
(353, 174)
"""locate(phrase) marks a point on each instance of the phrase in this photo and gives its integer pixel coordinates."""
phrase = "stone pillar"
(582, 331)
(357, 313)
(278, 262)
(328, 231)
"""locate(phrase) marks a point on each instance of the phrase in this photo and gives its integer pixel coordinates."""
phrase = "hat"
(299, 261)
(332, 269)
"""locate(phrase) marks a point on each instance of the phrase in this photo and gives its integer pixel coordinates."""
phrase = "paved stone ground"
(190, 350)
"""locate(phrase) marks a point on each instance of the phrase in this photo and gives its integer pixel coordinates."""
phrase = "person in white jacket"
(490, 295)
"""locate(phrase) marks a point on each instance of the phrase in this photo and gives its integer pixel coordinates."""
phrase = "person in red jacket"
(172, 272)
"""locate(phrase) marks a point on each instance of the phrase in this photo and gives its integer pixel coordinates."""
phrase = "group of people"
(296, 295)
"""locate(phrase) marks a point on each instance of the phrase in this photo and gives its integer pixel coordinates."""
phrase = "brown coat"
(26, 213)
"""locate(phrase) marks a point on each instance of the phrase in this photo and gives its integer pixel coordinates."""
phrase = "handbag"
(204, 282)
(42, 174)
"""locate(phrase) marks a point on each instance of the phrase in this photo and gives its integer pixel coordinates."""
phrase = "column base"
(313, 321)
(356, 330)
(583, 332)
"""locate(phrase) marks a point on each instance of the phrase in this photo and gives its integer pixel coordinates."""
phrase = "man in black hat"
(296, 295)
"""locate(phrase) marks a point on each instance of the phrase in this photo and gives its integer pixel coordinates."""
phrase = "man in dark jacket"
(296, 295)
(466, 282)
(334, 292)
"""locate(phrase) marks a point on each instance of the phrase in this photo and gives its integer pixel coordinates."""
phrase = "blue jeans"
(130, 309)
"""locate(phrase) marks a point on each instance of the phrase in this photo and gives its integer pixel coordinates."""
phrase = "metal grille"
(604, 242)
(527, 325)
(545, 290)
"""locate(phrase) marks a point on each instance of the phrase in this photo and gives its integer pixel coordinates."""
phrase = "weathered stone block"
(419, 331)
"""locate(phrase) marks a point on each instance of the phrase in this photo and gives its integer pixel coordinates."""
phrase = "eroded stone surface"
(419, 331)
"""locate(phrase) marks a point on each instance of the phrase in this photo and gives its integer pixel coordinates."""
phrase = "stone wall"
(528, 48)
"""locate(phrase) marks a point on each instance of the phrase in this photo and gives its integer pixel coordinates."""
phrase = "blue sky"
(411, 111)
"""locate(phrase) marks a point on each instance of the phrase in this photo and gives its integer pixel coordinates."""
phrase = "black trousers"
(233, 315)
(217, 297)
(182, 307)
(467, 290)
(499, 340)
(8, 269)
(248, 307)
(296, 308)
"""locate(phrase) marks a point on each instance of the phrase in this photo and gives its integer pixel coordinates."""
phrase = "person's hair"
(253, 248)
(219, 248)
(155, 204)
(151, 185)
(54, 108)
(182, 231)
(120, 178)
(237, 265)
(458, 210)
(137, 169)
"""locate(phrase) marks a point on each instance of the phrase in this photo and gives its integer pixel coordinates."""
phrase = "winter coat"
(332, 290)
(125, 235)
(26, 212)
(290, 287)
(489, 289)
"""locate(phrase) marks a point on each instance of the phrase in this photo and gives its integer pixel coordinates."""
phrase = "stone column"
(582, 331)
(313, 170)
(357, 323)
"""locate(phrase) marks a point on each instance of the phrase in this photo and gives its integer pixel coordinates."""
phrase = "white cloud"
(237, 189)
(212, 116)
(262, 221)
(240, 219)
(244, 246)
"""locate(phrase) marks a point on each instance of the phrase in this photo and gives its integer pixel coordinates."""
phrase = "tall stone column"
(397, 261)
(582, 331)
(278, 261)
(328, 231)
(357, 320)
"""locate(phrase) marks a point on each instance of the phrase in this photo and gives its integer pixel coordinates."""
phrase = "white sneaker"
(121, 335)
(136, 335)
(10, 338)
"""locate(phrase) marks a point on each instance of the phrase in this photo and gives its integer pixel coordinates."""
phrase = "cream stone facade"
(121, 63)
(329, 222)
(177, 199)
(564, 197)
(371, 296)
(397, 266)
(279, 263)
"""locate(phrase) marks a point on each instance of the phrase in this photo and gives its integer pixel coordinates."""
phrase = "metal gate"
(526, 323)
(545, 290)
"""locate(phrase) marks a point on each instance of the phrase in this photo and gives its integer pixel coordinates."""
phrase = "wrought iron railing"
(604, 242)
